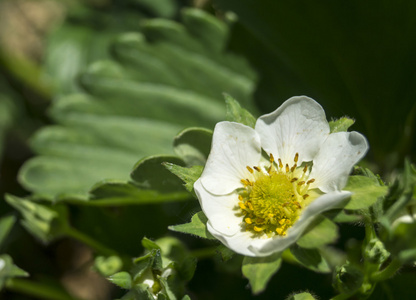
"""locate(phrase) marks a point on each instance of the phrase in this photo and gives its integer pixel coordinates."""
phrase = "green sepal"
(193, 145)
(44, 222)
(341, 124)
(321, 232)
(311, 259)
(341, 216)
(107, 266)
(186, 297)
(188, 175)
(166, 290)
(401, 241)
(348, 278)
(141, 266)
(121, 279)
(6, 225)
(301, 296)
(365, 192)
(259, 270)
(224, 252)
(197, 226)
(235, 113)
(9, 270)
(149, 173)
(139, 292)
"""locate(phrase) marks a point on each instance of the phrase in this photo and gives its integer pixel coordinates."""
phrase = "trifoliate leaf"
(321, 232)
(365, 191)
(188, 175)
(121, 279)
(310, 258)
(193, 145)
(197, 226)
(235, 113)
(341, 124)
(259, 270)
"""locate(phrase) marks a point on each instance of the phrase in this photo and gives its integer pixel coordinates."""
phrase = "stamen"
(287, 168)
(293, 167)
(293, 179)
(310, 181)
(271, 158)
(305, 169)
(296, 158)
(242, 206)
(258, 229)
(280, 163)
(257, 169)
(297, 204)
(248, 220)
(305, 196)
(240, 197)
(250, 169)
(301, 183)
(279, 231)
(243, 181)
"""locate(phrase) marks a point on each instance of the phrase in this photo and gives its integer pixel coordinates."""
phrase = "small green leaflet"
(197, 226)
(341, 124)
(365, 192)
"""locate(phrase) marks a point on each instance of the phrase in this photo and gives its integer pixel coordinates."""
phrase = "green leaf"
(197, 226)
(259, 270)
(44, 222)
(188, 175)
(311, 259)
(321, 232)
(6, 225)
(186, 297)
(341, 124)
(107, 266)
(9, 270)
(193, 145)
(149, 244)
(235, 113)
(365, 191)
(121, 279)
(150, 173)
(301, 296)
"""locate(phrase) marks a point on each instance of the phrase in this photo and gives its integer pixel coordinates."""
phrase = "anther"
(271, 158)
(293, 179)
(258, 229)
(250, 169)
(310, 181)
(297, 204)
(305, 196)
(249, 182)
(257, 169)
(279, 231)
(248, 220)
(301, 182)
(280, 163)
(240, 197)
(243, 181)
(242, 206)
(287, 168)
(282, 221)
(305, 169)
(296, 157)
(293, 167)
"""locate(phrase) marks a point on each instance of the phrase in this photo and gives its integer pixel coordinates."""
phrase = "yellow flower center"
(272, 202)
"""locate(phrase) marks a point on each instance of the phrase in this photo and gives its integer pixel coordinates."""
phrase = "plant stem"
(387, 272)
(36, 289)
(204, 253)
(97, 246)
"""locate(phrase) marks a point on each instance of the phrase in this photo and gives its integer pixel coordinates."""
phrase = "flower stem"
(387, 272)
(36, 289)
(97, 246)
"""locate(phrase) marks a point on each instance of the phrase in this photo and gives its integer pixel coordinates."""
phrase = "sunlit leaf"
(197, 226)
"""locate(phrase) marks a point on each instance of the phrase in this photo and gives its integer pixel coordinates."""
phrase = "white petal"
(220, 210)
(239, 242)
(234, 147)
(299, 126)
(334, 161)
(325, 202)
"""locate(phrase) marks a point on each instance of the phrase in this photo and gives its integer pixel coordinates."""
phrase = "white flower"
(257, 206)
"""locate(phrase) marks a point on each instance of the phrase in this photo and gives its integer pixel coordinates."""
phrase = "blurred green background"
(89, 88)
